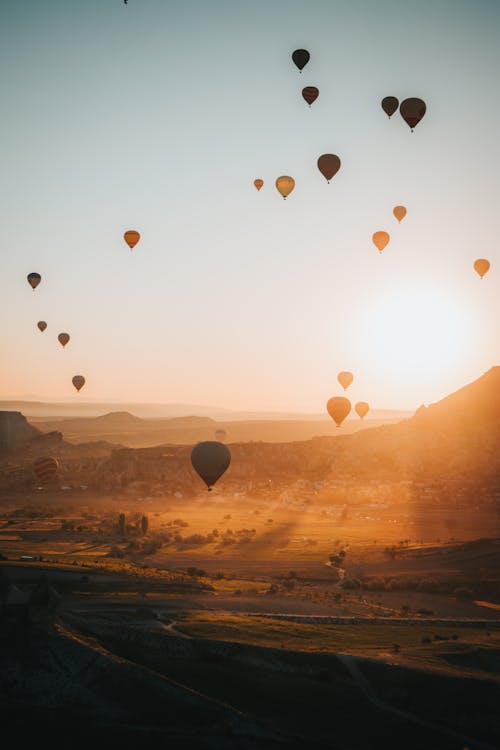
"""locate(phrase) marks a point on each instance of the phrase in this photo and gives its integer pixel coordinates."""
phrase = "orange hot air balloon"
(45, 469)
(258, 183)
(399, 212)
(42, 325)
(481, 266)
(131, 237)
(380, 240)
(285, 185)
(33, 280)
(362, 409)
(338, 408)
(78, 381)
(63, 338)
(345, 379)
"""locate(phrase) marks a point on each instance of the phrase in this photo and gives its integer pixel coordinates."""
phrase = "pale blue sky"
(159, 115)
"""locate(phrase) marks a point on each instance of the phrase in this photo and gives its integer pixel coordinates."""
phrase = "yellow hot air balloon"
(481, 266)
(345, 379)
(338, 408)
(380, 240)
(258, 183)
(399, 212)
(131, 237)
(285, 185)
(362, 409)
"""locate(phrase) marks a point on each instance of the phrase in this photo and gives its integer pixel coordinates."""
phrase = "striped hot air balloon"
(45, 469)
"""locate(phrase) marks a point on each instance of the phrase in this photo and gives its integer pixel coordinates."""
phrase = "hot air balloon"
(301, 58)
(210, 460)
(345, 379)
(310, 94)
(329, 165)
(258, 184)
(45, 469)
(285, 185)
(389, 105)
(78, 381)
(42, 325)
(338, 408)
(131, 237)
(33, 280)
(63, 338)
(380, 240)
(362, 409)
(412, 111)
(481, 266)
(220, 435)
(399, 212)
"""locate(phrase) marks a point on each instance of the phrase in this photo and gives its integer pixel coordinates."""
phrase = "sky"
(158, 115)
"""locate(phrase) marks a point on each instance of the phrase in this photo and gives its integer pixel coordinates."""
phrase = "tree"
(121, 523)
(144, 525)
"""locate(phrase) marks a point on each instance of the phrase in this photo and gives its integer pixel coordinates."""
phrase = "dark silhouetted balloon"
(329, 165)
(131, 237)
(310, 94)
(63, 338)
(45, 469)
(362, 409)
(220, 435)
(481, 266)
(345, 379)
(380, 240)
(78, 381)
(285, 185)
(301, 58)
(399, 212)
(42, 325)
(338, 408)
(389, 105)
(210, 460)
(412, 111)
(258, 183)
(33, 280)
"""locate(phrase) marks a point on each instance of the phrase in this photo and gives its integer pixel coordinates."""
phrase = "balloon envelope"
(380, 240)
(42, 325)
(220, 435)
(390, 105)
(63, 338)
(412, 111)
(399, 212)
(210, 459)
(329, 165)
(78, 381)
(131, 237)
(481, 266)
(345, 379)
(362, 409)
(45, 469)
(258, 184)
(33, 280)
(301, 57)
(285, 185)
(310, 94)
(338, 408)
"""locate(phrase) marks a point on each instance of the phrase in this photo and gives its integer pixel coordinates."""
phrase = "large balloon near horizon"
(33, 280)
(338, 408)
(412, 111)
(345, 378)
(329, 165)
(210, 459)
(285, 185)
(399, 212)
(63, 338)
(301, 57)
(45, 469)
(362, 409)
(258, 183)
(78, 381)
(481, 266)
(390, 105)
(310, 94)
(131, 237)
(42, 325)
(380, 240)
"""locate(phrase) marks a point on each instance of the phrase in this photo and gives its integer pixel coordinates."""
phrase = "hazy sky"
(158, 116)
